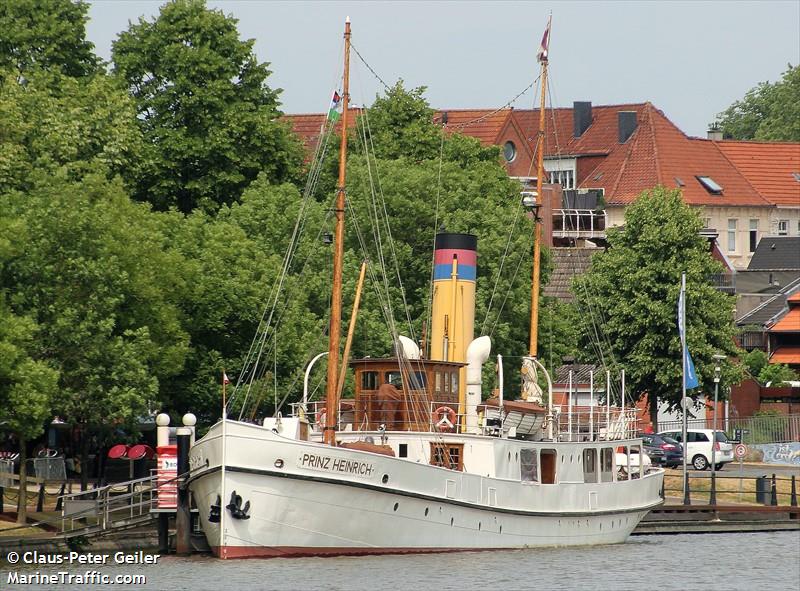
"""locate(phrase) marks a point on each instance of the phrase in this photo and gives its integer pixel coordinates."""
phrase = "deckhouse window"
(710, 185)
(369, 380)
(447, 455)
(590, 465)
(606, 464)
(529, 465)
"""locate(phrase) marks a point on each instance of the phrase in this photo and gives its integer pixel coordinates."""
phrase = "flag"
(225, 379)
(690, 377)
(336, 102)
(541, 55)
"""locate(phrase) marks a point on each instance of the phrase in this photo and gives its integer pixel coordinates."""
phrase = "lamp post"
(717, 373)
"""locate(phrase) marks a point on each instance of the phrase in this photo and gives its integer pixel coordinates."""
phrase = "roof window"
(796, 176)
(710, 185)
(679, 182)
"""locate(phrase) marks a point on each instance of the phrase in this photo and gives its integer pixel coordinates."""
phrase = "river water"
(708, 562)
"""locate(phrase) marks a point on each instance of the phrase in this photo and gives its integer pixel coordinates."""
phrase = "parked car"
(698, 448)
(662, 450)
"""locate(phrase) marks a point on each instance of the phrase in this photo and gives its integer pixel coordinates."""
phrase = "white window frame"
(562, 171)
(753, 244)
(733, 224)
(783, 227)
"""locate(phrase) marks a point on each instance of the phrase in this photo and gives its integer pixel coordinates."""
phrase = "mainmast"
(334, 333)
(537, 222)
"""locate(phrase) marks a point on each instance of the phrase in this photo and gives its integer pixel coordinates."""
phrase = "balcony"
(579, 223)
(724, 282)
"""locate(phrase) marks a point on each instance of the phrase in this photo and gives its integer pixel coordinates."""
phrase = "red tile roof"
(309, 126)
(483, 124)
(788, 355)
(789, 323)
(770, 168)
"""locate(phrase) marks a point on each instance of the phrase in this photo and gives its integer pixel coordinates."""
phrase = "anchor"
(236, 509)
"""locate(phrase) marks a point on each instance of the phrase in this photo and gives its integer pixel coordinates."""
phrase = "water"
(725, 562)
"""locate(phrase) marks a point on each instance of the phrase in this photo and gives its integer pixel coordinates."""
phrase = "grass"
(730, 489)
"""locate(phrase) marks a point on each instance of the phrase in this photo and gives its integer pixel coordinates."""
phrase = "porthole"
(501, 529)
(509, 456)
(396, 505)
(516, 455)
(426, 511)
(451, 521)
(509, 151)
(385, 478)
(279, 463)
(479, 526)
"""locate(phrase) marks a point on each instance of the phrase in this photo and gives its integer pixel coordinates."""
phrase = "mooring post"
(774, 493)
(163, 533)
(793, 502)
(40, 502)
(183, 524)
(712, 498)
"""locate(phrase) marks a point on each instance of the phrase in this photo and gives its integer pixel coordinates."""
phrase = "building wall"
(719, 218)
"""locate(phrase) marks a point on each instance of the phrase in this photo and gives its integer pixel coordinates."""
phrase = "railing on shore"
(731, 490)
(751, 430)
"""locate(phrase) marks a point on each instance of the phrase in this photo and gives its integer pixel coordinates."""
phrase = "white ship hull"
(309, 499)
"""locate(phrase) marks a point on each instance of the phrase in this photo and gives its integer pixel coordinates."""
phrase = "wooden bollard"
(793, 501)
(60, 501)
(3, 496)
(40, 502)
(774, 493)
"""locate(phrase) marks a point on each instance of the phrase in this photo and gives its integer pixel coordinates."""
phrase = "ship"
(421, 459)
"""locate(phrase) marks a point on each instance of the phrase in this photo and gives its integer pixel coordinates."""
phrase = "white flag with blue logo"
(690, 375)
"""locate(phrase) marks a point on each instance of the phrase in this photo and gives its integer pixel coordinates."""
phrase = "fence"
(751, 430)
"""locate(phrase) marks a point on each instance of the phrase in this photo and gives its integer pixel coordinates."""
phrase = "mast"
(331, 398)
(537, 222)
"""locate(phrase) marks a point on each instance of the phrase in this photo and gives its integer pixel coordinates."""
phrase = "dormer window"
(710, 185)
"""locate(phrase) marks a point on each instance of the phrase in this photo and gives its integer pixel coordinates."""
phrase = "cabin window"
(447, 455)
(529, 465)
(369, 380)
(454, 377)
(548, 461)
(438, 380)
(419, 380)
(590, 465)
(607, 464)
(402, 450)
(393, 377)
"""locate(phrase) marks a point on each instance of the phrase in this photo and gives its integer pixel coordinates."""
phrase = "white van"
(699, 447)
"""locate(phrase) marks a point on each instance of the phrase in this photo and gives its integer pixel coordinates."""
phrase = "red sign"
(740, 451)
(167, 475)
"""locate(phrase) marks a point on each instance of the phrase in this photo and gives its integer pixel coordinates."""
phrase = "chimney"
(581, 117)
(715, 133)
(627, 125)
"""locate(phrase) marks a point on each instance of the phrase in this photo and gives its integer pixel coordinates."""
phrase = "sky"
(690, 59)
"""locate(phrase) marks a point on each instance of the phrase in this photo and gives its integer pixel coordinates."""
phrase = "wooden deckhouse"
(402, 394)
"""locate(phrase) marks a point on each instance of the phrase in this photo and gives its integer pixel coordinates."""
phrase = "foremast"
(334, 333)
(537, 222)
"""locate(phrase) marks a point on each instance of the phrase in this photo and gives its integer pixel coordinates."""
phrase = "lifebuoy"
(446, 418)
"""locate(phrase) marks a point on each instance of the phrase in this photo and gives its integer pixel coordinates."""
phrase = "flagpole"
(682, 328)
(222, 551)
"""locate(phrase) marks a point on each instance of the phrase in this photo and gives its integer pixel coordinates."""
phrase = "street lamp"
(717, 373)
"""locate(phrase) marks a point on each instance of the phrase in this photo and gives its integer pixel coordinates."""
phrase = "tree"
(630, 294)
(27, 386)
(54, 122)
(770, 111)
(777, 374)
(46, 35)
(93, 269)
(208, 117)
(754, 361)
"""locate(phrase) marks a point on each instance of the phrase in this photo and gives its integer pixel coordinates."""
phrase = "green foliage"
(776, 374)
(207, 115)
(47, 35)
(754, 362)
(91, 268)
(53, 122)
(770, 111)
(632, 291)
(27, 384)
